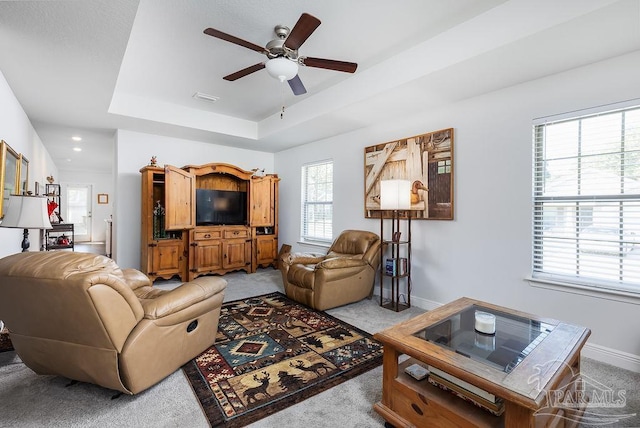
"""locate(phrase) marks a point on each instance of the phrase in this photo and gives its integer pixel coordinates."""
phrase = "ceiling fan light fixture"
(282, 68)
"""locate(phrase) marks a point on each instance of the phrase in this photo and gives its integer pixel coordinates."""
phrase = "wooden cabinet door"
(208, 256)
(180, 199)
(262, 199)
(166, 258)
(266, 249)
(237, 253)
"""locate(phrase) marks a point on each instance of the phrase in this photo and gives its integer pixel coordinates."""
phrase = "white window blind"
(317, 202)
(586, 200)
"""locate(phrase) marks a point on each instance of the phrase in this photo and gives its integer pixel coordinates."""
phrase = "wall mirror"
(8, 174)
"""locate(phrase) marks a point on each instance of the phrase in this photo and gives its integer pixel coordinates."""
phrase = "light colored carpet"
(29, 400)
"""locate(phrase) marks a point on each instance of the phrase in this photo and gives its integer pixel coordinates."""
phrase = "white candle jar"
(485, 322)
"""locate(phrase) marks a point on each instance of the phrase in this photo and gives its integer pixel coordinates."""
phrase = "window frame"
(580, 283)
(305, 236)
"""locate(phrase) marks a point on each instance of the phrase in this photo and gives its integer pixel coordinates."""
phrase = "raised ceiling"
(90, 67)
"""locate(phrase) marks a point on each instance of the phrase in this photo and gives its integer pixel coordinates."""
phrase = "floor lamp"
(26, 212)
(395, 195)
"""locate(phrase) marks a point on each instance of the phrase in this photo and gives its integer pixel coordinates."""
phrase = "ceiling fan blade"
(244, 72)
(329, 64)
(306, 25)
(233, 39)
(296, 86)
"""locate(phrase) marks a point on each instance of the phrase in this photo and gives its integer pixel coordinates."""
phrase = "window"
(586, 200)
(444, 166)
(317, 202)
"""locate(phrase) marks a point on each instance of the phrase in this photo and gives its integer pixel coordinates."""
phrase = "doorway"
(79, 210)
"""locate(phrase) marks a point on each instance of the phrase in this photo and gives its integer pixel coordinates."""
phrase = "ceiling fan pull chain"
(282, 93)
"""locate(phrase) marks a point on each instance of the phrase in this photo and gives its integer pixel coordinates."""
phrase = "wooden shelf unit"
(163, 245)
(263, 214)
(57, 231)
(397, 249)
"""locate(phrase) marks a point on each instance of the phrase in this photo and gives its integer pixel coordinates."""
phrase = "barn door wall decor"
(426, 161)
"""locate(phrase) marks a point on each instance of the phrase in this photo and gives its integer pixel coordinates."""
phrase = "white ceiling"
(89, 67)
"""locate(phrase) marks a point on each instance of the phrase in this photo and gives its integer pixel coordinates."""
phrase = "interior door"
(78, 204)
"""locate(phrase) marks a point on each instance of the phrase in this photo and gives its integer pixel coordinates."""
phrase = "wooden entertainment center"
(174, 244)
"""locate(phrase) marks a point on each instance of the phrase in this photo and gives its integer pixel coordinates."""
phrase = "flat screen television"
(216, 207)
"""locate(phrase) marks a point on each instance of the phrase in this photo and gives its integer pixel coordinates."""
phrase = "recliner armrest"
(303, 258)
(161, 304)
(338, 268)
(135, 279)
(341, 263)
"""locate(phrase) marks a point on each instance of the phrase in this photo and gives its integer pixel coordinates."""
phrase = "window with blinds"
(317, 202)
(586, 200)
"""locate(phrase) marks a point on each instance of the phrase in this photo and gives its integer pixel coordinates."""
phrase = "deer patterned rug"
(272, 352)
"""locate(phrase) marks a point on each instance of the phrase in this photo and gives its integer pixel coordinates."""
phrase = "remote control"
(416, 371)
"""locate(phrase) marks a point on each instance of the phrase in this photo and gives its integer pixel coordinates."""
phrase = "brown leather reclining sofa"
(80, 316)
(344, 275)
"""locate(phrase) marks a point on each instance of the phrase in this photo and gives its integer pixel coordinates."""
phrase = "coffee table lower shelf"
(418, 403)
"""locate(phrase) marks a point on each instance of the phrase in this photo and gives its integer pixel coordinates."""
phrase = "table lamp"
(26, 212)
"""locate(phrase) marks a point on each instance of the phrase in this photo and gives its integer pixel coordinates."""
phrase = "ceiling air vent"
(205, 97)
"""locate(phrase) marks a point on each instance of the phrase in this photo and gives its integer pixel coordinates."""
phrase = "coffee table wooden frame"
(552, 365)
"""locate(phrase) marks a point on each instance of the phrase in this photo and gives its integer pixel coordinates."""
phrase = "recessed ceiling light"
(76, 138)
(77, 149)
(205, 97)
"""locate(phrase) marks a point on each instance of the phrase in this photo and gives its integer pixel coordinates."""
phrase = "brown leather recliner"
(344, 275)
(80, 316)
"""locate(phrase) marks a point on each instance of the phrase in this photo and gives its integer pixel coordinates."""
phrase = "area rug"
(271, 353)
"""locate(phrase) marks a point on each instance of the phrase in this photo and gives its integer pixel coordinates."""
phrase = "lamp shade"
(395, 195)
(282, 68)
(26, 212)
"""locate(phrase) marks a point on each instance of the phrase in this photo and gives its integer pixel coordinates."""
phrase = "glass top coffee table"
(502, 362)
(514, 336)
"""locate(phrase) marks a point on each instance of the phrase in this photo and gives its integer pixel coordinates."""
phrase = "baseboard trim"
(621, 359)
(427, 304)
(415, 301)
(614, 357)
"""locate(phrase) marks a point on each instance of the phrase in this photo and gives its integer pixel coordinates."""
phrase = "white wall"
(100, 183)
(485, 253)
(17, 131)
(133, 151)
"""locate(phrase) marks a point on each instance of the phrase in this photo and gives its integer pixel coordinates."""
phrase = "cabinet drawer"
(426, 405)
(209, 234)
(236, 233)
(415, 408)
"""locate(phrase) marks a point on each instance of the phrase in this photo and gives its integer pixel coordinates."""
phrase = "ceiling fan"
(283, 53)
